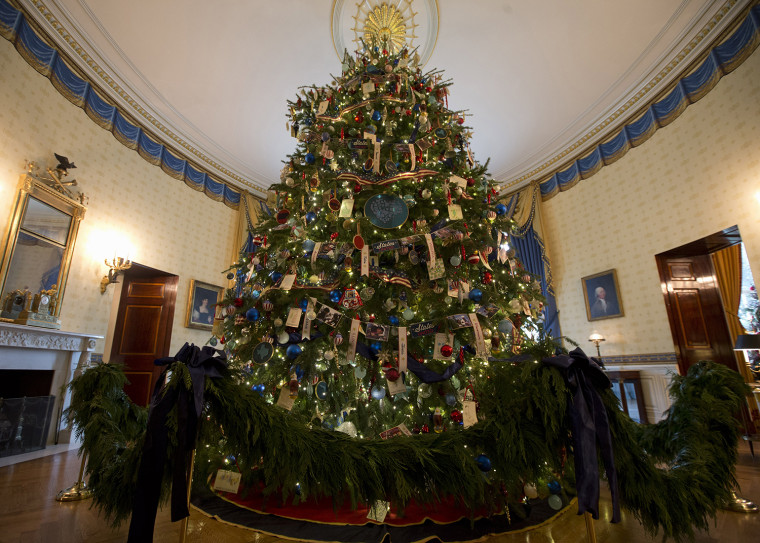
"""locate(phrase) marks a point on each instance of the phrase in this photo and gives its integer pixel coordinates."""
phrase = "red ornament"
(392, 374)
(474, 258)
(447, 350)
(357, 187)
(425, 429)
(334, 236)
(487, 278)
(408, 112)
(238, 302)
(359, 117)
(460, 120)
(222, 340)
(470, 182)
(456, 416)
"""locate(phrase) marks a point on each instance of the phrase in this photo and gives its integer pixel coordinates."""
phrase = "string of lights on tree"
(373, 297)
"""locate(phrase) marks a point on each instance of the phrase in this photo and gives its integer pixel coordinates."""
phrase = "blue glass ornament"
(376, 115)
(255, 294)
(325, 136)
(212, 342)
(276, 276)
(416, 107)
(308, 245)
(505, 326)
(322, 390)
(554, 487)
(310, 159)
(304, 303)
(393, 320)
(376, 346)
(476, 295)
(501, 209)
(450, 399)
(378, 392)
(252, 314)
(310, 217)
(293, 351)
(483, 462)
(335, 296)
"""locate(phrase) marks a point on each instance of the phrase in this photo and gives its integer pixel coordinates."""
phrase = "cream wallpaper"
(170, 226)
(693, 178)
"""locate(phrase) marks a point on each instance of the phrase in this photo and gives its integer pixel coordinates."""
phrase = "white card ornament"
(436, 269)
(368, 87)
(469, 413)
(371, 137)
(455, 212)
(227, 481)
(402, 349)
(413, 156)
(480, 342)
(376, 158)
(306, 330)
(378, 511)
(396, 387)
(365, 261)
(346, 208)
(315, 252)
(442, 339)
(322, 107)
(284, 400)
(458, 181)
(294, 317)
(353, 337)
(288, 281)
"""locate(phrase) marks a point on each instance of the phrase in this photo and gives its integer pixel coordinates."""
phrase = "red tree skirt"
(315, 520)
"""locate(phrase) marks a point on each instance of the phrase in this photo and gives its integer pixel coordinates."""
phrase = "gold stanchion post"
(77, 491)
(183, 530)
(590, 527)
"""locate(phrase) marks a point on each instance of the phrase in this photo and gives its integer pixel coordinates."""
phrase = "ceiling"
(541, 80)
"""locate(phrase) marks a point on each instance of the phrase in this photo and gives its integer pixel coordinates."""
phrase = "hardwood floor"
(29, 514)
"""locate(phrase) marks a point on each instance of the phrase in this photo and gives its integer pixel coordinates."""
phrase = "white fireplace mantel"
(65, 353)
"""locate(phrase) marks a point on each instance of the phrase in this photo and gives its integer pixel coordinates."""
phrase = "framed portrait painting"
(602, 296)
(201, 304)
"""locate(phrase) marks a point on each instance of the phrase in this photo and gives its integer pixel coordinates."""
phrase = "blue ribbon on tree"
(201, 363)
(589, 425)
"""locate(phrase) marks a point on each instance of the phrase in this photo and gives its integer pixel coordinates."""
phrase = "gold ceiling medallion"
(385, 26)
(391, 25)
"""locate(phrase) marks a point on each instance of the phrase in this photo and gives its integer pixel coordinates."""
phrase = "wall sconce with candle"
(115, 265)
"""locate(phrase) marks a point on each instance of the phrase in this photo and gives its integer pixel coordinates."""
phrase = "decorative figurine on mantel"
(21, 307)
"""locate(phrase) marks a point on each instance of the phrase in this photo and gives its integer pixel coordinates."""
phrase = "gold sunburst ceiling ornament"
(391, 25)
(385, 27)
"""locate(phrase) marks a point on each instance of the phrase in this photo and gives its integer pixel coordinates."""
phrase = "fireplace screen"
(24, 424)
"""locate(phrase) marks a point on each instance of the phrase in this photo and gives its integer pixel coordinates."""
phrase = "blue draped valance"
(720, 60)
(45, 59)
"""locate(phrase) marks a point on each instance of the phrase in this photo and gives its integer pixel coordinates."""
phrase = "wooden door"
(143, 328)
(695, 311)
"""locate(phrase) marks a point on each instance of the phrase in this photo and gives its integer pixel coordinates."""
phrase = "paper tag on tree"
(396, 387)
(436, 269)
(322, 107)
(346, 208)
(442, 339)
(400, 430)
(455, 212)
(458, 181)
(469, 413)
(413, 157)
(365, 261)
(480, 342)
(376, 158)
(368, 87)
(371, 137)
(294, 317)
(284, 400)
(315, 252)
(306, 329)
(353, 337)
(402, 349)
(227, 481)
(287, 281)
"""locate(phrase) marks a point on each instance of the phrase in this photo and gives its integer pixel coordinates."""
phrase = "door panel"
(695, 311)
(143, 328)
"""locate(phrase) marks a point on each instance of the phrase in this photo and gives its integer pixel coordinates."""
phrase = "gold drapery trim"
(728, 271)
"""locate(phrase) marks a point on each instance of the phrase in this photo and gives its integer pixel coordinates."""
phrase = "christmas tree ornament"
(335, 295)
(308, 245)
(487, 278)
(456, 416)
(483, 463)
(338, 339)
(309, 158)
(392, 374)
(329, 355)
(501, 209)
(378, 392)
(555, 502)
(474, 258)
(289, 181)
(505, 326)
(293, 351)
(530, 491)
(447, 351)
(311, 314)
(252, 314)
(554, 487)
(450, 399)
(487, 333)
(283, 337)
(476, 295)
(321, 390)
(408, 314)
(437, 420)
(360, 372)
(267, 306)
(311, 217)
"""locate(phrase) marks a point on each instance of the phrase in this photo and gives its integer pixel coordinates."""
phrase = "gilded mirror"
(38, 247)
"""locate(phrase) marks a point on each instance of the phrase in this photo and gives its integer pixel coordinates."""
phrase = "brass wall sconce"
(596, 338)
(116, 265)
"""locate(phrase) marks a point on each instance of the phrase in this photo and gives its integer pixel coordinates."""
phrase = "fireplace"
(36, 366)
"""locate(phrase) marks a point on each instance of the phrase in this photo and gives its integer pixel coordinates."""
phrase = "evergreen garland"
(524, 434)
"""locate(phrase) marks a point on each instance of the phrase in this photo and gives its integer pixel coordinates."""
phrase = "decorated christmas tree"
(373, 297)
